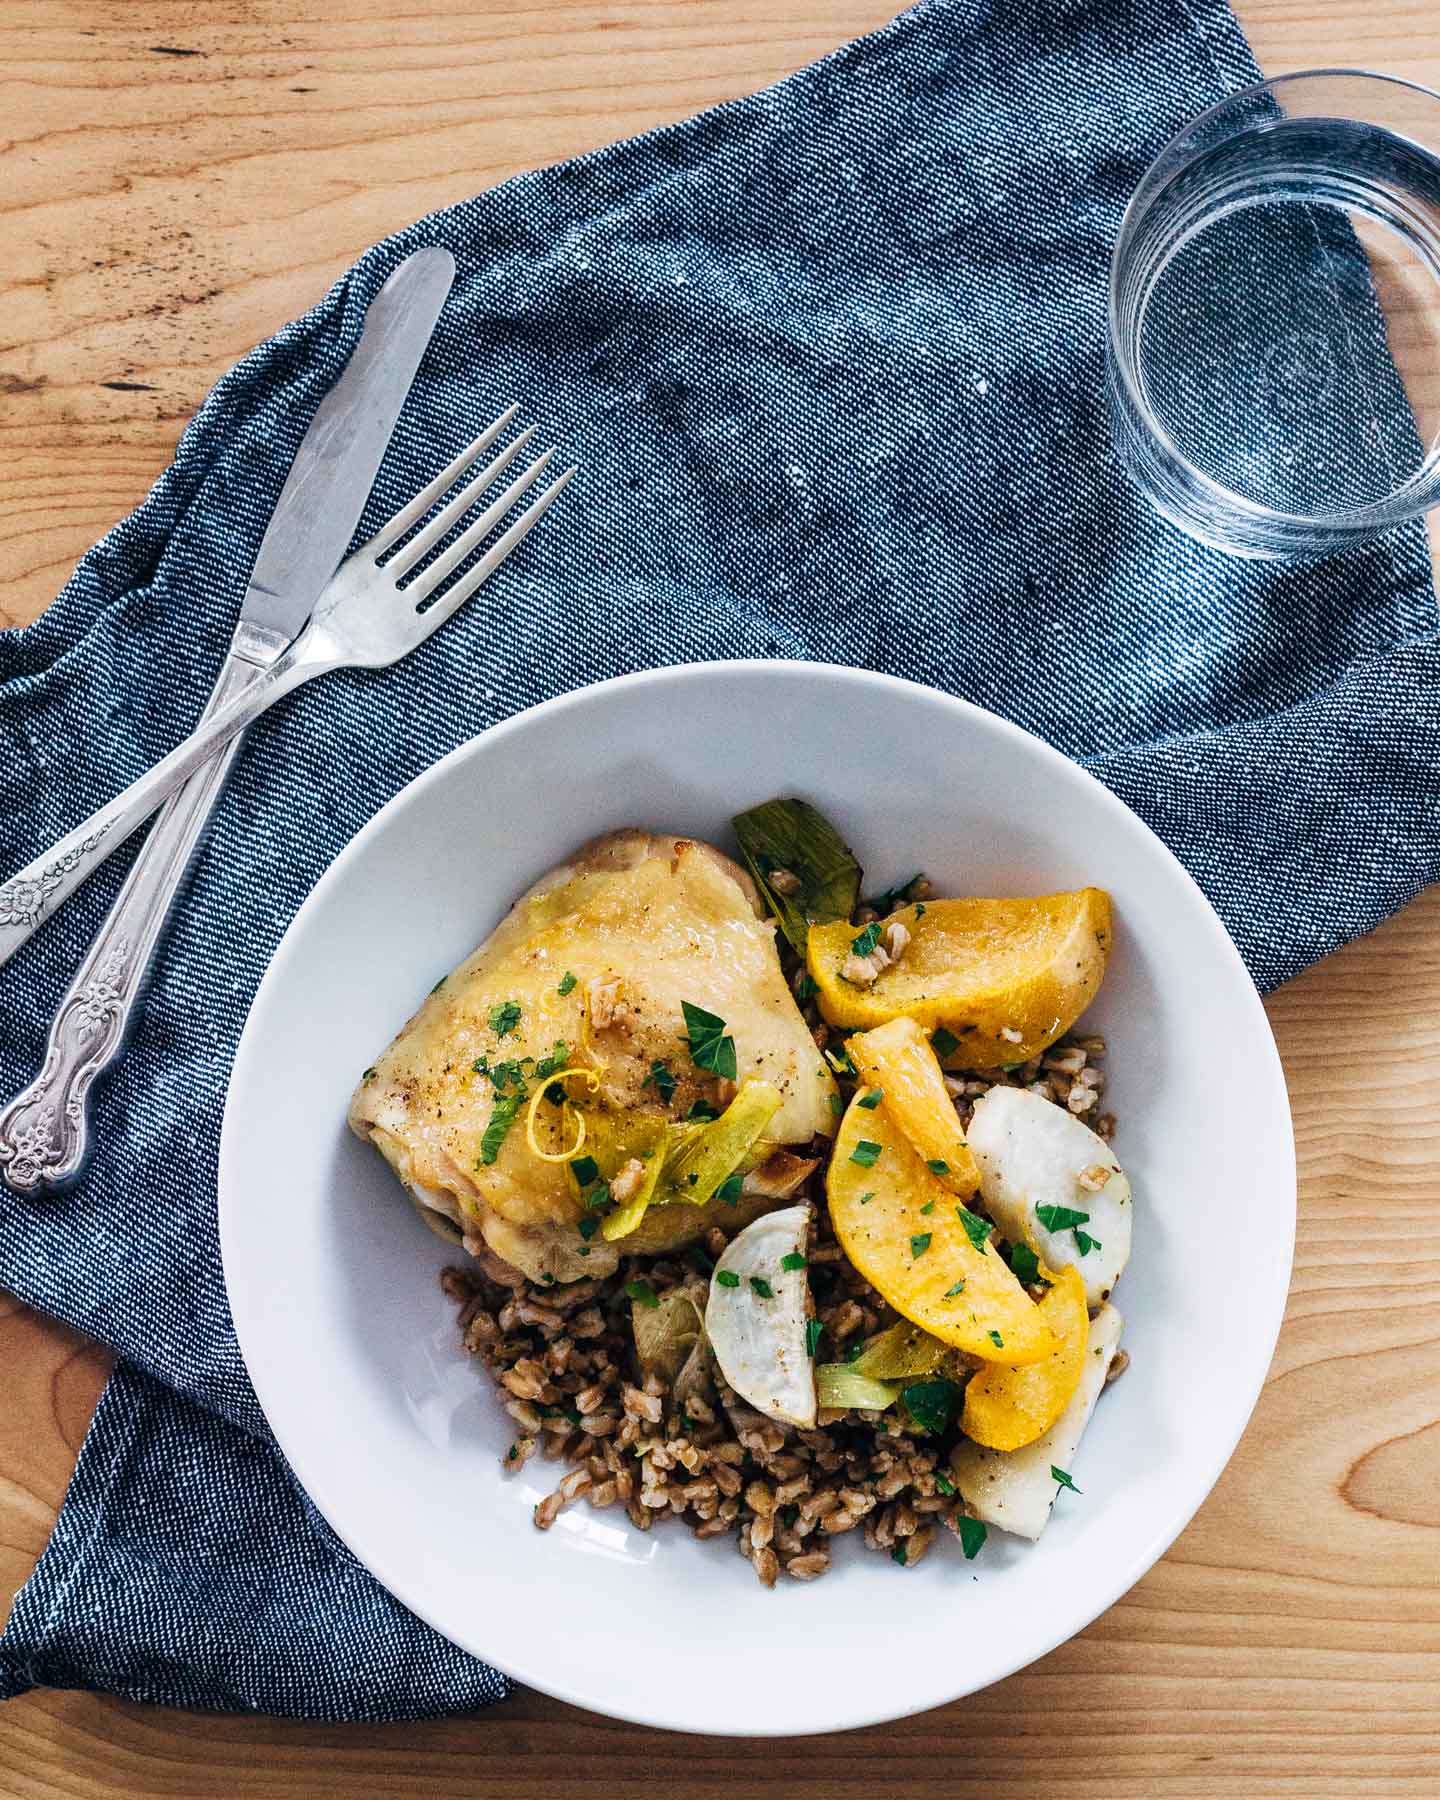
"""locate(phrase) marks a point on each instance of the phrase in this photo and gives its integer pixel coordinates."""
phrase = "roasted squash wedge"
(1005, 978)
(1008, 1408)
(896, 1059)
(906, 1233)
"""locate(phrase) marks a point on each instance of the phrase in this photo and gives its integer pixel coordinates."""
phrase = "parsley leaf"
(589, 1226)
(972, 1536)
(710, 1049)
(976, 1228)
(437, 987)
(504, 1017)
(762, 1287)
(642, 1293)
(584, 1169)
(867, 939)
(937, 1166)
(1063, 1478)
(928, 1207)
(866, 1154)
(663, 1081)
(1060, 1218)
(899, 1555)
(567, 983)
(865, 1199)
(813, 1329)
(554, 1062)
(805, 988)
(1025, 1264)
(793, 1259)
(944, 1043)
(944, 1483)
(871, 1100)
(702, 1109)
(995, 1338)
(959, 1288)
(1086, 1242)
(855, 1351)
(502, 1117)
(839, 1061)
(920, 1243)
(932, 1404)
(731, 1188)
(727, 1278)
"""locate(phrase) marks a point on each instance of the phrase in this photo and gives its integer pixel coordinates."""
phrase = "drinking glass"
(1274, 320)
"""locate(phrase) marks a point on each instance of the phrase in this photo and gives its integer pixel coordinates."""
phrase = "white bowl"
(396, 1434)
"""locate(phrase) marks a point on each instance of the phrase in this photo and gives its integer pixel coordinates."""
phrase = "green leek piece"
(790, 834)
(904, 1352)
(712, 1152)
(838, 1386)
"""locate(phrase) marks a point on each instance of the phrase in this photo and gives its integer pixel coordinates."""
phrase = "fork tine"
(397, 526)
(455, 510)
(429, 579)
(449, 604)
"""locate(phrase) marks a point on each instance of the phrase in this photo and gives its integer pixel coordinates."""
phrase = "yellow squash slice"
(896, 1059)
(1003, 977)
(904, 1231)
(1007, 1408)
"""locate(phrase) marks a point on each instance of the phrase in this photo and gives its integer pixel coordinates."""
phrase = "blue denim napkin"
(830, 360)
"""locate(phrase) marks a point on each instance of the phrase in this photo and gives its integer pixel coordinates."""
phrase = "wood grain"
(176, 178)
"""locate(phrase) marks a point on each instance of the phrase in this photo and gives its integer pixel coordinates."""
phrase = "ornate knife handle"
(44, 1130)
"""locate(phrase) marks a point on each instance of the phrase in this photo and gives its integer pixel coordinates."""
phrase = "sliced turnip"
(1014, 1489)
(1046, 1178)
(755, 1317)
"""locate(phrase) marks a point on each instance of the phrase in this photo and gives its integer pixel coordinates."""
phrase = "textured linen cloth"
(830, 360)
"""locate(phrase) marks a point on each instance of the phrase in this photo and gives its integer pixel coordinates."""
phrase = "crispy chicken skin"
(641, 921)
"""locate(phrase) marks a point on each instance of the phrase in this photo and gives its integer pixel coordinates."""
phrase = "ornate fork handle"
(44, 1129)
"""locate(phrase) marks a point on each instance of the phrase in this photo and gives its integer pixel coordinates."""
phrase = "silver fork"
(369, 616)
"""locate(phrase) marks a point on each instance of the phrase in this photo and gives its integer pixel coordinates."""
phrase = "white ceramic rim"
(388, 1568)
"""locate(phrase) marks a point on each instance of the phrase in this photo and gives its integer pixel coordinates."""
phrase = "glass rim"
(1344, 522)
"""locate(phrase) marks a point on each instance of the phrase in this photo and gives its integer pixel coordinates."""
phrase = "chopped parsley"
(701, 1110)
(554, 1062)
(1063, 1478)
(589, 1226)
(837, 1105)
(944, 1043)
(976, 1228)
(710, 1048)
(995, 1338)
(567, 983)
(727, 1278)
(1086, 1242)
(438, 985)
(793, 1259)
(865, 1199)
(813, 1329)
(920, 1243)
(855, 1351)
(938, 1166)
(1060, 1218)
(661, 1080)
(642, 1293)
(866, 1154)
(731, 1188)
(504, 1017)
(867, 939)
(502, 1117)
(932, 1404)
(871, 1100)
(944, 1483)
(762, 1287)
(513, 1453)
(919, 912)
(805, 988)
(839, 1061)
(898, 1555)
(584, 1169)
(1025, 1264)
(959, 1288)
(972, 1535)
(928, 1207)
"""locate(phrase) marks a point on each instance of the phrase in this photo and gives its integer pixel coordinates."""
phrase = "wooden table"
(177, 179)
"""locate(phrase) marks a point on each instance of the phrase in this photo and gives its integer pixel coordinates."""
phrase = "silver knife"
(43, 1130)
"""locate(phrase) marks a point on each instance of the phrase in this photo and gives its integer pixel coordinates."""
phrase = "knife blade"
(44, 1129)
